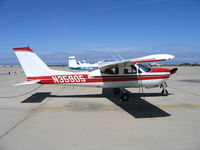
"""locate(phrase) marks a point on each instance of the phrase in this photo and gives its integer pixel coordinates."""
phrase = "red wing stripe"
(23, 49)
(141, 61)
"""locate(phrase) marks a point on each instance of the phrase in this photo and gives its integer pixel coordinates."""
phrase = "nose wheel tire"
(164, 92)
(124, 97)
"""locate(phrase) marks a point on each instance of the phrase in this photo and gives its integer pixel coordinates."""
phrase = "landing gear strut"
(123, 95)
(164, 91)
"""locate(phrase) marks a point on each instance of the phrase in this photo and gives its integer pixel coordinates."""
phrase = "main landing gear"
(123, 95)
(164, 92)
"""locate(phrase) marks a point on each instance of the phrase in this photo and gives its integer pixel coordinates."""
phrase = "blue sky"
(93, 29)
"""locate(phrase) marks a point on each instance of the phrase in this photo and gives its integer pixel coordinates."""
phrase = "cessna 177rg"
(117, 75)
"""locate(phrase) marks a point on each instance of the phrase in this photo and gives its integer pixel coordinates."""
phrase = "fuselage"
(153, 78)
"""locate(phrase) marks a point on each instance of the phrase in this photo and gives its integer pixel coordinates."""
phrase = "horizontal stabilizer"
(28, 82)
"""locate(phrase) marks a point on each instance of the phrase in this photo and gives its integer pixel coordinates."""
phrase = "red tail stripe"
(23, 49)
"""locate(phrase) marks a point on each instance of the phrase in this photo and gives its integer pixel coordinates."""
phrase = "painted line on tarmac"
(175, 106)
(114, 107)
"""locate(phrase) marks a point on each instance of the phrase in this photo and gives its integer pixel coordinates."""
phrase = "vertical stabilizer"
(32, 65)
(72, 62)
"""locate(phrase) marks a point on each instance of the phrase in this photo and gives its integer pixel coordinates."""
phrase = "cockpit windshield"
(145, 68)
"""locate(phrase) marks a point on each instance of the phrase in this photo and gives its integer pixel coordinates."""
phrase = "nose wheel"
(123, 95)
(164, 92)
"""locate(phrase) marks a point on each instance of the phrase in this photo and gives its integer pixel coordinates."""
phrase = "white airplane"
(73, 64)
(117, 75)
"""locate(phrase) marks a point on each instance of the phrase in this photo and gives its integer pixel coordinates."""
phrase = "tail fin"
(32, 65)
(72, 62)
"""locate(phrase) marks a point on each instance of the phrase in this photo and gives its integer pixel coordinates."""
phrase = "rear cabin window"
(112, 70)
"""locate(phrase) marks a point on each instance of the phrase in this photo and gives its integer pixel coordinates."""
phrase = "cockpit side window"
(130, 70)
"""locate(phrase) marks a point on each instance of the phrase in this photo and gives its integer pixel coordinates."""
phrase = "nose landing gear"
(164, 92)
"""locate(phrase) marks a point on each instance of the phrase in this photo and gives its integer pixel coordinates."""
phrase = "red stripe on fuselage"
(58, 79)
(161, 70)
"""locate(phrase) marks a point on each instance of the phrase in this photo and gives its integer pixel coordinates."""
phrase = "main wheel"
(164, 92)
(124, 97)
(116, 91)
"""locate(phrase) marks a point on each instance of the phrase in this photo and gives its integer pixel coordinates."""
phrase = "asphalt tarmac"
(50, 117)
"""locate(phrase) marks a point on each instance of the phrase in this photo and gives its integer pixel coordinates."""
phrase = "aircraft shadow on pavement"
(37, 97)
(137, 106)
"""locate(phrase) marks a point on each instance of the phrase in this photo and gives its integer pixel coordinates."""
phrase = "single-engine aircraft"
(117, 75)
(73, 64)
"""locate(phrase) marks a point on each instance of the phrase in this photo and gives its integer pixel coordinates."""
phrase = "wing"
(149, 58)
